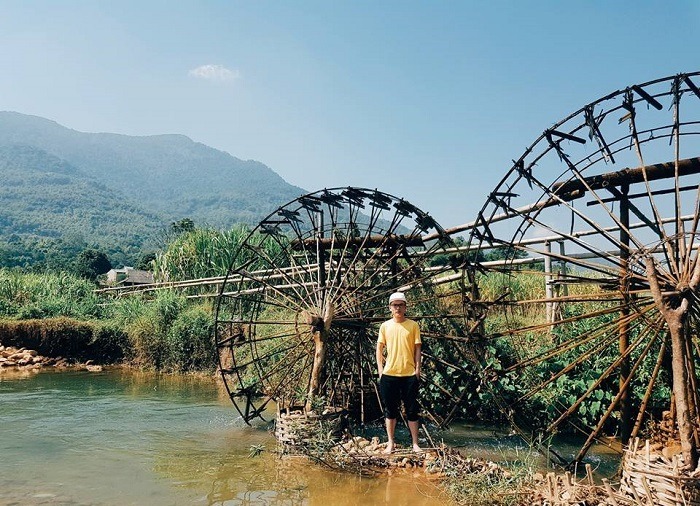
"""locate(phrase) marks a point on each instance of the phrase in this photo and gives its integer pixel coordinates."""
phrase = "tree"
(182, 226)
(91, 263)
(145, 262)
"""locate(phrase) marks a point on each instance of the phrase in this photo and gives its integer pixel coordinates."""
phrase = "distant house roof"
(129, 276)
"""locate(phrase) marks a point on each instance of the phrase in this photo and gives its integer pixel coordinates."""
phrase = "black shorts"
(394, 390)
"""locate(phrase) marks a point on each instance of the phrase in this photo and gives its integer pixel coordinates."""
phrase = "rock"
(22, 357)
(94, 368)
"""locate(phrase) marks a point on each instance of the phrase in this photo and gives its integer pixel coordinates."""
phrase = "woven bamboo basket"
(296, 427)
(652, 478)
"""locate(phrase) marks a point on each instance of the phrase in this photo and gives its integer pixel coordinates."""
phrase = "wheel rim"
(327, 262)
(594, 322)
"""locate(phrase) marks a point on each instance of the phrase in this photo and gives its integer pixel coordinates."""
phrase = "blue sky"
(429, 101)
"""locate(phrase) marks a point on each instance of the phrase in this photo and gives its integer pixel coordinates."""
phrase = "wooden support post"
(623, 329)
(563, 268)
(548, 292)
(317, 368)
(675, 313)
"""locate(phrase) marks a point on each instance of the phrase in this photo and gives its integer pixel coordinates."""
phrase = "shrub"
(109, 343)
(147, 343)
(189, 341)
(167, 334)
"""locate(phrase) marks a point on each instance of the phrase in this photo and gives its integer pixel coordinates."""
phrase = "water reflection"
(295, 482)
(123, 438)
(503, 446)
(116, 438)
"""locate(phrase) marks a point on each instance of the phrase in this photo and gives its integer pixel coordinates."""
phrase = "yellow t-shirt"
(400, 340)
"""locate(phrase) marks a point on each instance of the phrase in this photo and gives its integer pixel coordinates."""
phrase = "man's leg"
(414, 427)
(390, 399)
(410, 400)
(390, 429)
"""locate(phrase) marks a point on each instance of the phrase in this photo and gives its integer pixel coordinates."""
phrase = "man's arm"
(417, 359)
(380, 357)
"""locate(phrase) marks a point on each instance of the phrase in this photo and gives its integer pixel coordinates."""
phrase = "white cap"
(397, 296)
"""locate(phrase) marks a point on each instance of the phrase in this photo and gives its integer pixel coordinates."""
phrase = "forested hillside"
(63, 190)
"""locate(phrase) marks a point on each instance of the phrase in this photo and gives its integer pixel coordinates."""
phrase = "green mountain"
(118, 192)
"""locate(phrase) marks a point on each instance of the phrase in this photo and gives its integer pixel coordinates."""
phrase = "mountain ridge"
(145, 181)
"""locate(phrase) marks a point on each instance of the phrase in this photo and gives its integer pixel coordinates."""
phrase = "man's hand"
(380, 358)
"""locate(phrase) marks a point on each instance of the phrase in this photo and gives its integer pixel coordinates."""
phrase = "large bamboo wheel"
(586, 262)
(298, 315)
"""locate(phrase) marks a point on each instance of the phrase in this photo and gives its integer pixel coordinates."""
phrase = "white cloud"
(215, 73)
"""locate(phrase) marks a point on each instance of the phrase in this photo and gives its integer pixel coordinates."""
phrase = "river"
(124, 438)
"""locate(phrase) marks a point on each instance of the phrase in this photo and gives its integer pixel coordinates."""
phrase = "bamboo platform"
(654, 477)
(568, 490)
(296, 427)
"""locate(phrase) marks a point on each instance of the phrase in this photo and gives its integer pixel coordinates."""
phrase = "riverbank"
(22, 359)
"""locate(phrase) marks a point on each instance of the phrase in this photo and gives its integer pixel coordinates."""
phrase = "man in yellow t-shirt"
(399, 374)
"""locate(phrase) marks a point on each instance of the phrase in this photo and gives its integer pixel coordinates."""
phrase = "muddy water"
(119, 438)
(122, 438)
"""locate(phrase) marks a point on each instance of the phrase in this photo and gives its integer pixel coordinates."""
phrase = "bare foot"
(389, 448)
(417, 449)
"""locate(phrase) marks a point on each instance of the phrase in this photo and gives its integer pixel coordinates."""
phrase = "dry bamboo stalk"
(636, 496)
(589, 474)
(647, 490)
(550, 486)
(610, 492)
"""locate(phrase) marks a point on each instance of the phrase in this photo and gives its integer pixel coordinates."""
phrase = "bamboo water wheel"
(577, 291)
(600, 215)
(298, 314)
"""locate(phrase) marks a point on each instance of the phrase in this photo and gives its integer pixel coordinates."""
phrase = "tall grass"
(206, 253)
(47, 295)
(200, 253)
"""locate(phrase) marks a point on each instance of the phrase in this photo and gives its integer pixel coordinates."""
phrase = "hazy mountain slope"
(45, 199)
(168, 174)
(63, 190)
